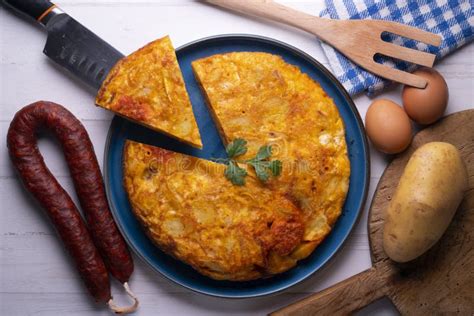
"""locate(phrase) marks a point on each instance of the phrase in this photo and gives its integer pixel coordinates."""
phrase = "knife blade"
(69, 43)
(78, 50)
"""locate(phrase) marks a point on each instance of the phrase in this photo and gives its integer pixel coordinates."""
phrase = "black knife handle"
(36, 9)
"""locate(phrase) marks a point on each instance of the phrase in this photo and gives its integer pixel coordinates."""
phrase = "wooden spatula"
(358, 40)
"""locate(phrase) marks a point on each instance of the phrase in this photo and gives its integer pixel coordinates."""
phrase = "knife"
(69, 43)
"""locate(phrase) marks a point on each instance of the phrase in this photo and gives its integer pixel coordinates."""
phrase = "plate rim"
(366, 151)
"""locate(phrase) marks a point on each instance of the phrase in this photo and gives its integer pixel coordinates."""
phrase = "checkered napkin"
(452, 19)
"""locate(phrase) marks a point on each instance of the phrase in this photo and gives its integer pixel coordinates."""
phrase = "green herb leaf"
(264, 168)
(264, 152)
(235, 174)
(261, 171)
(275, 167)
(236, 148)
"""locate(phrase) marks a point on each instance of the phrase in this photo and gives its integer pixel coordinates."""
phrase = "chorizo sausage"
(89, 185)
(38, 180)
(87, 179)
(104, 243)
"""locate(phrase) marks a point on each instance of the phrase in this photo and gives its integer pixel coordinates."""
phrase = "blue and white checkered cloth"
(452, 19)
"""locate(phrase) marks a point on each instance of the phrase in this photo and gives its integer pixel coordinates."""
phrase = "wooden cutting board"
(439, 282)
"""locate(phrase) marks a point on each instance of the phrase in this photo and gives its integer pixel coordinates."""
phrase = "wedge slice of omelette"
(261, 98)
(147, 87)
(191, 211)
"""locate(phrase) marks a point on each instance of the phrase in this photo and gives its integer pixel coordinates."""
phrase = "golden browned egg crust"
(261, 98)
(147, 87)
(191, 211)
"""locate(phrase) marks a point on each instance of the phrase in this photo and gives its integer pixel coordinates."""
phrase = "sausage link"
(39, 181)
(89, 186)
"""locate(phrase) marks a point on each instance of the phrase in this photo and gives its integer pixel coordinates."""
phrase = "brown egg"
(388, 126)
(426, 106)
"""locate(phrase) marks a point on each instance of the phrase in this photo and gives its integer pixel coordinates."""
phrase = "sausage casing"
(89, 186)
(40, 182)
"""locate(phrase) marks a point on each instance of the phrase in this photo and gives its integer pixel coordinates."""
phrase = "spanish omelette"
(259, 97)
(226, 232)
(147, 87)
(192, 212)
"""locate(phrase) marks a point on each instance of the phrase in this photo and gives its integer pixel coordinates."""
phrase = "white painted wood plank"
(183, 304)
(165, 304)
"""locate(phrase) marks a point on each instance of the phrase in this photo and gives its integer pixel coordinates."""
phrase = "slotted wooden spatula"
(358, 40)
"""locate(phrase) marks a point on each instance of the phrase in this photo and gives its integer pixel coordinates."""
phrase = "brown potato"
(428, 194)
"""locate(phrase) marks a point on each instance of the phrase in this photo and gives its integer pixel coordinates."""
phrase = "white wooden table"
(37, 277)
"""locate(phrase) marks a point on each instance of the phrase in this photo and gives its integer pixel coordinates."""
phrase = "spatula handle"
(341, 299)
(271, 10)
(35, 9)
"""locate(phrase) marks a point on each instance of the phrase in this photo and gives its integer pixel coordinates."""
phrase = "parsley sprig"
(262, 165)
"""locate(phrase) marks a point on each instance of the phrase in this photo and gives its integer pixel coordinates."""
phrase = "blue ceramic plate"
(121, 129)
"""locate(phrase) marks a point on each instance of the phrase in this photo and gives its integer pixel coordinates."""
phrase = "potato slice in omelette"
(261, 98)
(191, 211)
(147, 87)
